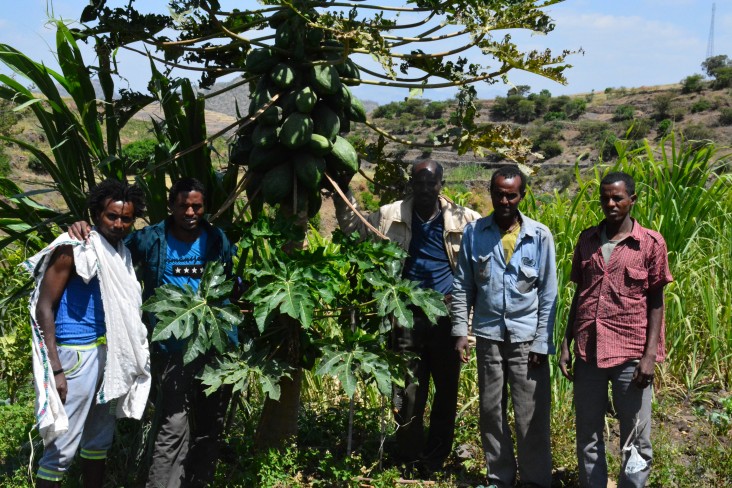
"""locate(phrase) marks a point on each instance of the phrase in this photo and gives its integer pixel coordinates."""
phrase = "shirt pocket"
(635, 281)
(526, 279)
(484, 269)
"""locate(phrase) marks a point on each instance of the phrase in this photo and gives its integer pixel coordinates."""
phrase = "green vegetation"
(725, 116)
(701, 106)
(720, 69)
(521, 106)
(692, 84)
(624, 112)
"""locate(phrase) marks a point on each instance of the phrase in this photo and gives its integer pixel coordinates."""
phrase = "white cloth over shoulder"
(127, 371)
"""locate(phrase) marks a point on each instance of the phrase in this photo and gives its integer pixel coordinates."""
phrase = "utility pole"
(710, 42)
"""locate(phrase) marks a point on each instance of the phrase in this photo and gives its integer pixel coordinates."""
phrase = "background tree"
(720, 68)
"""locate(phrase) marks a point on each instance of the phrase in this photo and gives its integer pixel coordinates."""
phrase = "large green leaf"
(204, 318)
(239, 369)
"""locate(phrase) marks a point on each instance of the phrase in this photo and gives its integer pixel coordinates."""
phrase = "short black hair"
(117, 191)
(508, 172)
(185, 185)
(617, 176)
(438, 167)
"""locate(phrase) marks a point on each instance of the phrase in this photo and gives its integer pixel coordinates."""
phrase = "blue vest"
(80, 314)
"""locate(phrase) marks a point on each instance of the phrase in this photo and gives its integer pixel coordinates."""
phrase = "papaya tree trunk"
(278, 422)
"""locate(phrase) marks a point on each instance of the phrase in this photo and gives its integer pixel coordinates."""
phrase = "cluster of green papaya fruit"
(297, 138)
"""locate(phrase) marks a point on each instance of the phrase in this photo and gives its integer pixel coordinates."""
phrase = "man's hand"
(463, 349)
(536, 360)
(79, 230)
(643, 374)
(565, 360)
(61, 387)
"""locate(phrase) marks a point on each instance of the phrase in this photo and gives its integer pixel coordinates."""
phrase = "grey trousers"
(503, 365)
(631, 404)
(191, 423)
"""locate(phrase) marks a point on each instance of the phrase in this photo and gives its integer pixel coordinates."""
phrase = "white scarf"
(127, 369)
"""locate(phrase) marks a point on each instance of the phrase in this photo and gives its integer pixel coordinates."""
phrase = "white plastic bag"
(635, 462)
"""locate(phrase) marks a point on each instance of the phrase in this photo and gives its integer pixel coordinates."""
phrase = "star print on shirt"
(190, 271)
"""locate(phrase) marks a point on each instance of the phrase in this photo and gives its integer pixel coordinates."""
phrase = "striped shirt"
(612, 310)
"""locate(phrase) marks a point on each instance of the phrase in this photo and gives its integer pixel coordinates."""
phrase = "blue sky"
(627, 43)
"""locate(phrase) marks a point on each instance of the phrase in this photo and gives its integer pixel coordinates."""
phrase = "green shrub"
(541, 100)
(623, 112)
(607, 149)
(723, 78)
(549, 116)
(550, 149)
(525, 111)
(387, 111)
(545, 132)
(35, 165)
(4, 162)
(700, 106)
(591, 131)
(500, 108)
(662, 106)
(8, 117)
(692, 84)
(664, 127)
(559, 104)
(575, 108)
(697, 132)
(725, 116)
(434, 110)
(697, 136)
(136, 154)
(16, 421)
(638, 128)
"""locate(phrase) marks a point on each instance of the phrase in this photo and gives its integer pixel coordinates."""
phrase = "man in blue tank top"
(73, 316)
(175, 251)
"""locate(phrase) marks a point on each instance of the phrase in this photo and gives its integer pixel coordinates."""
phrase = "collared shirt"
(611, 318)
(514, 300)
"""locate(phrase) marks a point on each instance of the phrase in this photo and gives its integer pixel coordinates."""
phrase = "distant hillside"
(564, 129)
(567, 129)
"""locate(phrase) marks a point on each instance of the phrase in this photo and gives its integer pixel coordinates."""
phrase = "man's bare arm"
(52, 287)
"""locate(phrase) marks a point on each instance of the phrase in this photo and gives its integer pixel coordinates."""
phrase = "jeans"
(632, 405)
(91, 425)
(438, 359)
(187, 442)
(503, 365)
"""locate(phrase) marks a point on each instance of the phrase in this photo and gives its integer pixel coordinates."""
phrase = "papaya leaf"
(239, 369)
(203, 317)
(342, 365)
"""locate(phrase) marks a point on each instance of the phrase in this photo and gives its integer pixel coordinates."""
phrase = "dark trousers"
(191, 423)
(438, 360)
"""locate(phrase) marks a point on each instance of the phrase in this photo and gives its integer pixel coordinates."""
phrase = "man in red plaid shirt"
(616, 323)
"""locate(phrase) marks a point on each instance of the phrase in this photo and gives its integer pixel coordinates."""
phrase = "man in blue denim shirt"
(507, 275)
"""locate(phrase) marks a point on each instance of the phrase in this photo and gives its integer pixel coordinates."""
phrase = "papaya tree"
(300, 60)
